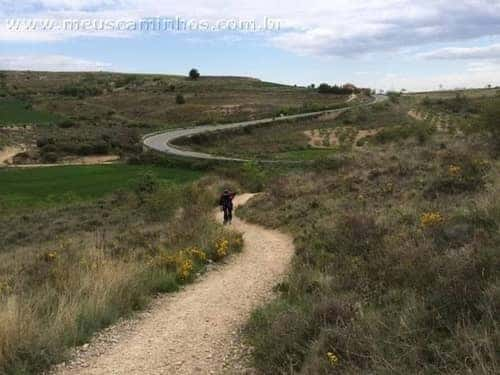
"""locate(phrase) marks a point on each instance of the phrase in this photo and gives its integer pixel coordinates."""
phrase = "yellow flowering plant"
(431, 220)
(333, 359)
(454, 170)
(222, 248)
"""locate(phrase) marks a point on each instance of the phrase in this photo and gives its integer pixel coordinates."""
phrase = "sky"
(383, 44)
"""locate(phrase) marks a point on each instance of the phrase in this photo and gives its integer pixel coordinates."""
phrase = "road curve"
(163, 141)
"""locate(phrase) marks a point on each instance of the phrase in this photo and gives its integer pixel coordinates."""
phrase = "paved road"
(163, 141)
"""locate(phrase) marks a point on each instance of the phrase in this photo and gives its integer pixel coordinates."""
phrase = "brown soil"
(8, 153)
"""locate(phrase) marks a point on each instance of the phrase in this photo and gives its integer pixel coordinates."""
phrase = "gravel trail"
(195, 331)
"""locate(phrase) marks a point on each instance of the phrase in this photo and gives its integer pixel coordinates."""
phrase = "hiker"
(226, 202)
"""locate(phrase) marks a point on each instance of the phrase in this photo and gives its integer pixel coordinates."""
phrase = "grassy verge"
(56, 294)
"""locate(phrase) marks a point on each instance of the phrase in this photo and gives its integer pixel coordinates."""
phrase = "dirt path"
(7, 153)
(195, 331)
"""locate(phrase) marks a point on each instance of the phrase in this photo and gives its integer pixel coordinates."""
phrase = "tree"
(194, 74)
(325, 88)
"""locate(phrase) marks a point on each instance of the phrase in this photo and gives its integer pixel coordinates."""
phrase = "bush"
(393, 134)
(127, 80)
(490, 122)
(43, 141)
(50, 157)
(66, 124)
(179, 99)
(460, 104)
(464, 175)
(253, 176)
(422, 132)
(80, 91)
(147, 185)
(355, 235)
(394, 97)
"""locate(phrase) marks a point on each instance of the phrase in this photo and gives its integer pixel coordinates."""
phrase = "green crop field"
(14, 111)
(57, 185)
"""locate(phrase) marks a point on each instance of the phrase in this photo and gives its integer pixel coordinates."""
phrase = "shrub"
(465, 175)
(127, 80)
(355, 235)
(43, 141)
(422, 132)
(179, 99)
(394, 96)
(253, 176)
(50, 157)
(67, 124)
(393, 134)
(490, 122)
(460, 104)
(146, 185)
(80, 91)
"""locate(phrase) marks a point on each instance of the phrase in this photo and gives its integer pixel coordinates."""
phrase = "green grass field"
(58, 185)
(14, 111)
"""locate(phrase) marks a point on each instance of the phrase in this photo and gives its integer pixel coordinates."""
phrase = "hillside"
(78, 114)
(393, 209)
(395, 217)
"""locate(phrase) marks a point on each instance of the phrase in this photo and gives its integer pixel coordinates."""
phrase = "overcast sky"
(389, 44)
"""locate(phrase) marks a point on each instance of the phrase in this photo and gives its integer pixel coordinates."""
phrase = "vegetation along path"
(195, 330)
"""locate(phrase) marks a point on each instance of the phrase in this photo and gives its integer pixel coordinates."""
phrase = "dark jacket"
(226, 200)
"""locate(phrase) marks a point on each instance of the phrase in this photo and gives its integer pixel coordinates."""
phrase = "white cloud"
(475, 76)
(57, 63)
(466, 53)
(318, 27)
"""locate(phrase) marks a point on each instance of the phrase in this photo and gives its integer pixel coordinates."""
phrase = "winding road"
(163, 141)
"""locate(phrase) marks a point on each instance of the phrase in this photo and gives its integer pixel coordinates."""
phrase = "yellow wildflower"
(222, 248)
(454, 170)
(198, 253)
(431, 219)
(51, 256)
(186, 269)
(332, 358)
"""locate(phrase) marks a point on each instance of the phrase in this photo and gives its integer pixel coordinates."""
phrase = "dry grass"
(397, 266)
(105, 113)
(57, 294)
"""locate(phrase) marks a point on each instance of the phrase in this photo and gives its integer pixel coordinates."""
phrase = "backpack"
(226, 201)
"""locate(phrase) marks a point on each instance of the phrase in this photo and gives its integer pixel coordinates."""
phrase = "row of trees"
(346, 89)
